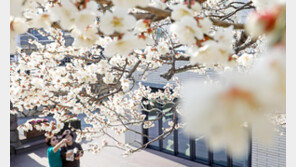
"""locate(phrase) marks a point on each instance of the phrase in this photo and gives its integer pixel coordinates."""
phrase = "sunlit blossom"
(117, 21)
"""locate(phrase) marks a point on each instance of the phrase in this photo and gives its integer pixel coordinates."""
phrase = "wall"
(270, 156)
(14, 135)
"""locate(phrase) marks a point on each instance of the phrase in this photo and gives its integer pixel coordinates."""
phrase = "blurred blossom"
(246, 59)
(180, 11)
(271, 22)
(219, 111)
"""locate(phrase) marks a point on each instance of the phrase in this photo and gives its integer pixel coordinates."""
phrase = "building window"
(220, 158)
(181, 145)
(243, 162)
(155, 129)
(201, 150)
(167, 143)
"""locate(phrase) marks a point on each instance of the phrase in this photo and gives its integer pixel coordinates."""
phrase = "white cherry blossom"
(187, 30)
(41, 21)
(130, 3)
(205, 24)
(117, 21)
(212, 53)
(123, 46)
(180, 11)
(86, 16)
(246, 59)
(85, 38)
(142, 25)
(66, 14)
(196, 7)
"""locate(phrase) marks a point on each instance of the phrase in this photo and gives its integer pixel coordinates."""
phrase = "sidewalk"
(110, 157)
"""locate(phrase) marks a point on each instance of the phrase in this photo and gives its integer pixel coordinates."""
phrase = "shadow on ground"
(37, 158)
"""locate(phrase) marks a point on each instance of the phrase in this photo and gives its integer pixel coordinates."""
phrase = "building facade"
(181, 145)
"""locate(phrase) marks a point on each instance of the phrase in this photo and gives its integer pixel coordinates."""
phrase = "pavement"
(108, 157)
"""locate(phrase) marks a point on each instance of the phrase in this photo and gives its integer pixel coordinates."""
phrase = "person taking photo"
(53, 151)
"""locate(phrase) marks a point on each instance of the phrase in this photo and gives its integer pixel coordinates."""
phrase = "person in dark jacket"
(72, 152)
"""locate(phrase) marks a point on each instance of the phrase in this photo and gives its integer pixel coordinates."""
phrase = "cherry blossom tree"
(117, 43)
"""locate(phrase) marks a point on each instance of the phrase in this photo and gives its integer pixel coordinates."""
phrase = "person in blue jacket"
(53, 151)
